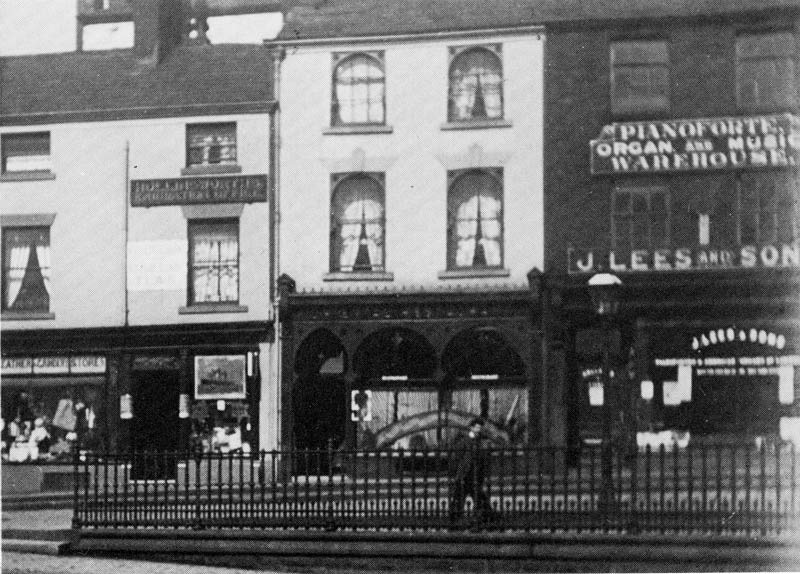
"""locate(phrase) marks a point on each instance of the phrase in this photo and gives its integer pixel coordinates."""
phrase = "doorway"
(155, 425)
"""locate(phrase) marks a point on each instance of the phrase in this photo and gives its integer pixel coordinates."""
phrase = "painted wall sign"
(157, 265)
(683, 258)
(75, 365)
(706, 144)
(198, 190)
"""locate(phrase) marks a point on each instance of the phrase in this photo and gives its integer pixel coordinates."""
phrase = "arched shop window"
(397, 367)
(487, 378)
(318, 395)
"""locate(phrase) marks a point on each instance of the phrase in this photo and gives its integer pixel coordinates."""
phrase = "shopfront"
(410, 371)
(53, 406)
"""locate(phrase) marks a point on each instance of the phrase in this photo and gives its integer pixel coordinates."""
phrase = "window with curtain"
(214, 261)
(639, 76)
(25, 152)
(210, 144)
(26, 269)
(358, 90)
(475, 205)
(641, 218)
(765, 73)
(358, 224)
(476, 85)
(767, 209)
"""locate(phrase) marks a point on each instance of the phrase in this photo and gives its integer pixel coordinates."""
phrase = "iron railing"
(718, 489)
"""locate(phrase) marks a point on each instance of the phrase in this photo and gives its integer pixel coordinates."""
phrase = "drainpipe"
(274, 243)
(126, 303)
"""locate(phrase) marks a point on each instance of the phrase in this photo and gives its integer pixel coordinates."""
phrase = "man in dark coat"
(468, 473)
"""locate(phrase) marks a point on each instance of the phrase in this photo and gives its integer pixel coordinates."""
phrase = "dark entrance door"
(155, 425)
(320, 417)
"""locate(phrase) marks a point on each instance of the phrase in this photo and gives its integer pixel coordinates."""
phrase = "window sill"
(27, 176)
(27, 316)
(476, 124)
(470, 273)
(357, 129)
(359, 276)
(211, 169)
(203, 308)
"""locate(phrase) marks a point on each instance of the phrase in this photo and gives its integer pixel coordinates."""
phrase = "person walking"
(468, 474)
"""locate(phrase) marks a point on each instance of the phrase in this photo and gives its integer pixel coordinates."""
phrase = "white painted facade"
(88, 194)
(91, 261)
(415, 157)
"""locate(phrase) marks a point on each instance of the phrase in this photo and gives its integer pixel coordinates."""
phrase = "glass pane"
(358, 225)
(640, 52)
(476, 84)
(765, 45)
(215, 262)
(359, 91)
(476, 224)
(26, 268)
(211, 143)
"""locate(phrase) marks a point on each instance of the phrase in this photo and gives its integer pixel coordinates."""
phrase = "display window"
(51, 422)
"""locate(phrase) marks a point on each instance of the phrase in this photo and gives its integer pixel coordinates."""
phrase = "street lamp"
(604, 289)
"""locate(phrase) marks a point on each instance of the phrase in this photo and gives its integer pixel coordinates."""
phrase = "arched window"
(358, 91)
(476, 86)
(475, 234)
(357, 224)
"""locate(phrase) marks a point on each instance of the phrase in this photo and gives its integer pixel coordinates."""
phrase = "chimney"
(158, 28)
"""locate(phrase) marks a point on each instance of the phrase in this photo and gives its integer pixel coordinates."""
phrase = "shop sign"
(87, 364)
(75, 365)
(199, 190)
(707, 144)
(683, 258)
(50, 365)
(219, 377)
(17, 365)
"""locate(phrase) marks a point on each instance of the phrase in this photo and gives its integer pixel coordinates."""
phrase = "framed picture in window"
(219, 377)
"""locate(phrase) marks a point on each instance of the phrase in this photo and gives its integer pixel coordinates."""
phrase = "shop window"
(766, 210)
(641, 218)
(639, 77)
(475, 220)
(47, 423)
(214, 261)
(210, 144)
(358, 89)
(765, 73)
(26, 153)
(26, 269)
(476, 84)
(358, 224)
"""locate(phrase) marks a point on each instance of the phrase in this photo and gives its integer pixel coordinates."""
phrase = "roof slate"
(117, 83)
(325, 19)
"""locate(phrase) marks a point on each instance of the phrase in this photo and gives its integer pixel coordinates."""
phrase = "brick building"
(672, 162)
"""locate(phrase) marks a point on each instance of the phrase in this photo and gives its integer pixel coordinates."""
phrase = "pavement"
(19, 563)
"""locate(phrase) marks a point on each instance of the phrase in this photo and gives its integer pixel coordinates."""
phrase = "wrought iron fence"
(719, 489)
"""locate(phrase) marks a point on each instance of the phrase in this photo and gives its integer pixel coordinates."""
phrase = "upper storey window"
(765, 74)
(210, 144)
(359, 90)
(476, 84)
(358, 224)
(26, 269)
(26, 153)
(475, 220)
(639, 77)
